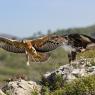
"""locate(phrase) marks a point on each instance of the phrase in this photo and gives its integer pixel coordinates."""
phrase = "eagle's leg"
(35, 55)
(27, 58)
(72, 57)
(34, 51)
(31, 50)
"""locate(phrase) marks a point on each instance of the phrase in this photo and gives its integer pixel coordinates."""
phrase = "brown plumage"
(36, 48)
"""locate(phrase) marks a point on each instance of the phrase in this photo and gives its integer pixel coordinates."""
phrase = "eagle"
(77, 43)
(36, 49)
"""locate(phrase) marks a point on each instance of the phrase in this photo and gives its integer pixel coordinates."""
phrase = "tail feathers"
(42, 57)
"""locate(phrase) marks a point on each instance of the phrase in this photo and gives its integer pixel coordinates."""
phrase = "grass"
(87, 54)
(12, 64)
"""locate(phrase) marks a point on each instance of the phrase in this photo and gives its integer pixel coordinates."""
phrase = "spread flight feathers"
(36, 48)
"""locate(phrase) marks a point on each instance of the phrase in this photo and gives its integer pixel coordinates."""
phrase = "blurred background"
(30, 19)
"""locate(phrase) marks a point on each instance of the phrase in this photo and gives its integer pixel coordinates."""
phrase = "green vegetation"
(87, 54)
(15, 64)
(82, 86)
(53, 83)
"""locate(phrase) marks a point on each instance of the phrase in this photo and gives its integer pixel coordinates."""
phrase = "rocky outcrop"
(69, 72)
(21, 87)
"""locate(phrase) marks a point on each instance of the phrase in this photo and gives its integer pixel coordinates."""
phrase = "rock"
(22, 87)
(70, 77)
(78, 69)
(47, 74)
(79, 72)
(1, 92)
(91, 69)
(66, 73)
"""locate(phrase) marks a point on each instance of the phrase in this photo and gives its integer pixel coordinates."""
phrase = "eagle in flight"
(37, 49)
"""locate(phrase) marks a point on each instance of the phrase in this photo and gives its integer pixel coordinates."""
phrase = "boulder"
(21, 87)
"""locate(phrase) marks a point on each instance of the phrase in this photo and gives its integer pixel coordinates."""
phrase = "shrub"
(53, 82)
(82, 86)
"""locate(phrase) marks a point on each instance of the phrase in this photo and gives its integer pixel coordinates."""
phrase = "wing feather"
(13, 49)
(48, 43)
(16, 43)
(11, 45)
(47, 46)
(43, 44)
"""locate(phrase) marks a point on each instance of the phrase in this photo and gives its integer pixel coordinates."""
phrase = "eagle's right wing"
(13, 49)
(8, 41)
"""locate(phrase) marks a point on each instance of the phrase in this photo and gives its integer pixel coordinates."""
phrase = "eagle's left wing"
(11, 45)
(48, 43)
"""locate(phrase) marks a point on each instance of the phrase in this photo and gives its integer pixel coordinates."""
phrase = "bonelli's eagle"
(37, 49)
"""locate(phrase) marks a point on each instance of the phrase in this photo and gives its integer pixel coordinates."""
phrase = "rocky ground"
(21, 87)
(82, 67)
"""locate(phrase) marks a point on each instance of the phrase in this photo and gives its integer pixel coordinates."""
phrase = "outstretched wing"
(43, 44)
(13, 49)
(16, 43)
(48, 43)
(11, 45)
